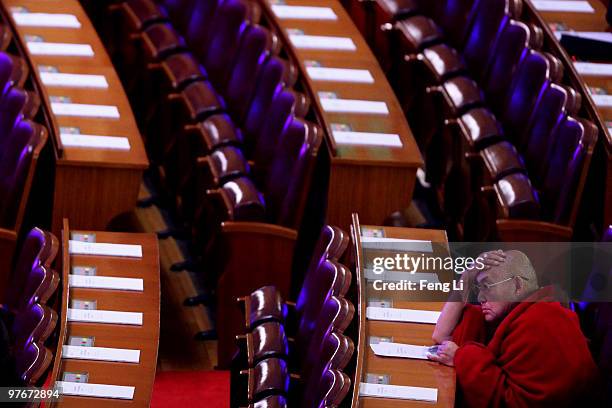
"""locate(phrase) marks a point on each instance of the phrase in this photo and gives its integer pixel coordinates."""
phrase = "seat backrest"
(17, 170)
(6, 68)
(538, 139)
(226, 33)
(481, 41)
(269, 376)
(36, 323)
(268, 85)
(288, 181)
(531, 79)
(512, 47)
(250, 60)
(279, 117)
(572, 173)
(31, 361)
(200, 25)
(273, 401)
(243, 200)
(180, 12)
(11, 105)
(332, 389)
(456, 18)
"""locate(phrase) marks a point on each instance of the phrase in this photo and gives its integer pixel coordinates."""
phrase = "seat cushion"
(480, 127)
(501, 159)
(264, 304)
(200, 100)
(218, 130)
(140, 13)
(443, 61)
(462, 93)
(398, 9)
(265, 341)
(226, 163)
(181, 69)
(159, 40)
(242, 200)
(516, 198)
(417, 33)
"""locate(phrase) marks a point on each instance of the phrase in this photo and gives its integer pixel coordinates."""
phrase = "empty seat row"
(491, 114)
(298, 350)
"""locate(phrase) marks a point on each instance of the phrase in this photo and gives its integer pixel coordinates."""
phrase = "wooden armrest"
(8, 235)
(532, 231)
(258, 228)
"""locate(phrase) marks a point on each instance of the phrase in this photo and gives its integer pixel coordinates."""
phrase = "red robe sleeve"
(471, 327)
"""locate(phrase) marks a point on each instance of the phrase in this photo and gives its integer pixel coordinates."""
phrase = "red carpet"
(182, 389)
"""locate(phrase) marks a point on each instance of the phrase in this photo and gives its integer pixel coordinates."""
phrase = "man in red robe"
(519, 347)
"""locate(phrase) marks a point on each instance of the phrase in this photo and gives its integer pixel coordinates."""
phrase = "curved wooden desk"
(373, 180)
(92, 185)
(145, 338)
(400, 371)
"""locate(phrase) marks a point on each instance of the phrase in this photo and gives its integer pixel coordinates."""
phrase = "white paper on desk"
(390, 314)
(60, 49)
(563, 6)
(80, 109)
(335, 105)
(396, 244)
(95, 390)
(99, 248)
(367, 139)
(106, 282)
(590, 35)
(385, 349)
(593, 68)
(318, 42)
(58, 20)
(101, 354)
(104, 316)
(603, 101)
(73, 80)
(94, 141)
(303, 12)
(398, 392)
(340, 75)
(399, 276)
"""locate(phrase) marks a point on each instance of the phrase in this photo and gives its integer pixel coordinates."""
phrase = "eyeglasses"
(484, 288)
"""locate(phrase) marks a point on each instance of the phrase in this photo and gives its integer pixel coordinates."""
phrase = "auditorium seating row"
(507, 146)
(28, 311)
(296, 352)
(23, 135)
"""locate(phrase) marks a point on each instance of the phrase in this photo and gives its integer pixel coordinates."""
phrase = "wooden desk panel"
(372, 180)
(144, 338)
(92, 186)
(409, 372)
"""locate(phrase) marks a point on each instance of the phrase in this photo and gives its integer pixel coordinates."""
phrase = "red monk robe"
(537, 357)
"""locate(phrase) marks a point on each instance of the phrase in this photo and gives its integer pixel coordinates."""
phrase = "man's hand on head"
(446, 353)
(493, 258)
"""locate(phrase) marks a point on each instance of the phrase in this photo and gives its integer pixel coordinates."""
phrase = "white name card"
(103, 249)
(398, 392)
(340, 75)
(334, 105)
(104, 316)
(303, 12)
(94, 141)
(318, 42)
(593, 69)
(603, 101)
(563, 6)
(385, 349)
(60, 49)
(80, 109)
(367, 139)
(106, 282)
(396, 244)
(74, 80)
(590, 35)
(95, 390)
(46, 20)
(101, 354)
(390, 314)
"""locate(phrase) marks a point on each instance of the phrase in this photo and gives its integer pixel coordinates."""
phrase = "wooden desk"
(401, 371)
(372, 180)
(599, 191)
(145, 338)
(92, 185)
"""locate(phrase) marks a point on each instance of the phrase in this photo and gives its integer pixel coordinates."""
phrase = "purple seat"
(31, 361)
(222, 165)
(265, 341)
(11, 106)
(32, 279)
(332, 389)
(199, 26)
(286, 186)
(516, 198)
(35, 323)
(140, 13)
(22, 148)
(268, 377)
(262, 305)
(273, 401)
(607, 235)
(455, 19)
(243, 201)
(6, 69)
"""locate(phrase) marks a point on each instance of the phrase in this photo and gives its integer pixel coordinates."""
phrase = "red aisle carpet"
(182, 389)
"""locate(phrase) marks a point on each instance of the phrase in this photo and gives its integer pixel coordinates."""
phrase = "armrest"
(8, 235)
(235, 228)
(534, 231)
